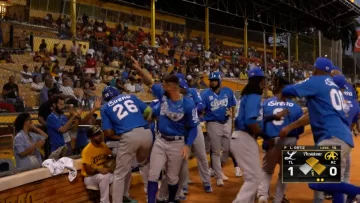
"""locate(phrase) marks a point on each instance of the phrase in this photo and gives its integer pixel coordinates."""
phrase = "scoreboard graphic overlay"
(311, 164)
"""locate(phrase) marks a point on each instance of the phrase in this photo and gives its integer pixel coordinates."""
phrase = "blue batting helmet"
(215, 76)
(110, 92)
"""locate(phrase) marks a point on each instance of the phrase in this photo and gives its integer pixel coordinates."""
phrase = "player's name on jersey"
(317, 164)
(304, 147)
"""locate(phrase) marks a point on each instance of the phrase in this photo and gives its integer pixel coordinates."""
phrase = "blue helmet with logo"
(183, 84)
(110, 92)
(215, 76)
(255, 72)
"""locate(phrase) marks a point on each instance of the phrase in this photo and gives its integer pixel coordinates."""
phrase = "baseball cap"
(340, 81)
(255, 72)
(93, 130)
(183, 84)
(54, 90)
(323, 64)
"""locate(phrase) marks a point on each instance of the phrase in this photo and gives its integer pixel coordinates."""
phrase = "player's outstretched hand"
(185, 152)
(284, 132)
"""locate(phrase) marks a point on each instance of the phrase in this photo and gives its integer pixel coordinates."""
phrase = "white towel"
(57, 167)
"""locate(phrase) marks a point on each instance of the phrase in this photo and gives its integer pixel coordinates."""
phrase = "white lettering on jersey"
(216, 104)
(280, 103)
(348, 93)
(330, 82)
(113, 102)
(165, 111)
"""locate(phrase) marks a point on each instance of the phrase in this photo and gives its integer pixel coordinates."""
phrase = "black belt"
(171, 138)
(221, 122)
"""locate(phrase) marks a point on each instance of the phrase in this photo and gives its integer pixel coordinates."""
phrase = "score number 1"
(332, 171)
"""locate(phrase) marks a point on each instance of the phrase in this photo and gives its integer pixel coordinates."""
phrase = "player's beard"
(59, 111)
(214, 88)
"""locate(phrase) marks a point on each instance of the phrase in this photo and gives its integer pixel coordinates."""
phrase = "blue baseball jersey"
(193, 94)
(176, 118)
(249, 111)
(273, 106)
(216, 105)
(325, 103)
(123, 113)
(351, 106)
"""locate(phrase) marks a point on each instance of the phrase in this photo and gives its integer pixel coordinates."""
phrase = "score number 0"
(332, 171)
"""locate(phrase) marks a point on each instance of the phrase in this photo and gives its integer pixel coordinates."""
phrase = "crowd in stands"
(67, 78)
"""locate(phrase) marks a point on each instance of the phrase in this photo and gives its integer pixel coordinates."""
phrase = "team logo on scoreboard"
(331, 156)
(291, 154)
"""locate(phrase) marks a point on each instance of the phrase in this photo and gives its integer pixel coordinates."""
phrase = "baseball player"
(326, 116)
(277, 114)
(218, 102)
(243, 145)
(178, 119)
(199, 149)
(123, 119)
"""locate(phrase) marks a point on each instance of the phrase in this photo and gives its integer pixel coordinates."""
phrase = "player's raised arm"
(145, 76)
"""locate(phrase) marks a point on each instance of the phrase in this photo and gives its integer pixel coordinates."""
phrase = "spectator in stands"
(78, 90)
(43, 46)
(94, 158)
(67, 89)
(36, 72)
(10, 91)
(37, 85)
(27, 144)
(89, 94)
(26, 76)
(58, 126)
(139, 86)
(130, 85)
(74, 48)
(63, 51)
(49, 83)
(45, 108)
(87, 78)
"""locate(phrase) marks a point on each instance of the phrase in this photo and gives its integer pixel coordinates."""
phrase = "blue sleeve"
(302, 89)
(204, 98)
(53, 122)
(19, 144)
(156, 110)
(158, 91)
(193, 121)
(298, 131)
(197, 100)
(252, 110)
(140, 104)
(232, 99)
(105, 120)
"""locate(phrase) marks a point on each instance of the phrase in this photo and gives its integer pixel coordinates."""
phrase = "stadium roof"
(287, 15)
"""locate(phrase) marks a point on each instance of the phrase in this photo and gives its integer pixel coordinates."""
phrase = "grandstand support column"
(153, 19)
(246, 49)
(274, 42)
(73, 18)
(320, 44)
(289, 55)
(207, 29)
(265, 60)
(314, 47)
(297, 47)
(340, 55)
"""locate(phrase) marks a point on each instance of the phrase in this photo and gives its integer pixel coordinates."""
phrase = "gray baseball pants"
(219, 135)
(133, 144)
(270, 159)
(345, 152)
(246, 153)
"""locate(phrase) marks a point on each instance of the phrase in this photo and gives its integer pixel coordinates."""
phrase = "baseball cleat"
(285, 200)
(161, 201)
(211, 172)
(262, 199)
(224, 177)
(219, 182)
(181, 198)
(185, 191)
(129, 200)
(328, 196)
(208, 188)
(238, 172)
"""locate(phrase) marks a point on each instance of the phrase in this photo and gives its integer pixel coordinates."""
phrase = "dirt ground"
(296, 193)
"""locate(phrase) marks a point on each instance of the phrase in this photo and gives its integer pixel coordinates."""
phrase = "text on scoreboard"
(311, 164)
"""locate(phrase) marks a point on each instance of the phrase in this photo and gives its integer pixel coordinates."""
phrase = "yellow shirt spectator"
(358, 93)
(94, 156)
(243, 76)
